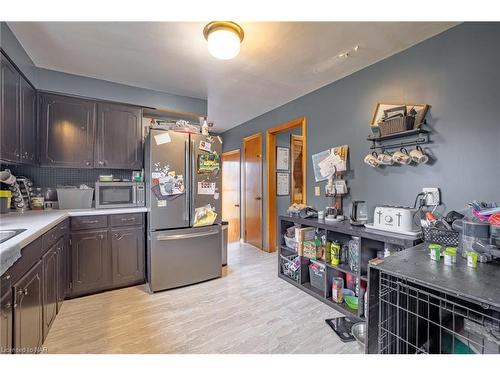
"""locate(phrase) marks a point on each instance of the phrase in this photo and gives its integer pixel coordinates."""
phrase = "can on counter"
(335, 253)
(337, 286)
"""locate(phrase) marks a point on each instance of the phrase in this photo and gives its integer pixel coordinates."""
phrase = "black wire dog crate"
(414, 319)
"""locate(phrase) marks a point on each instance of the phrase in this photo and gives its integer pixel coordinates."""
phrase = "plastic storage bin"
(74, 198)
(317, 275)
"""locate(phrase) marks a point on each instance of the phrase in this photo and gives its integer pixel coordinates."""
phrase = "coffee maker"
(359, 213)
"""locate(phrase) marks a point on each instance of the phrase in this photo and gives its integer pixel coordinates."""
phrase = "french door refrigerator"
(183, 177)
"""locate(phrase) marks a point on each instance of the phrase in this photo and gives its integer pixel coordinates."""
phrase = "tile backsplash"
(53, 177)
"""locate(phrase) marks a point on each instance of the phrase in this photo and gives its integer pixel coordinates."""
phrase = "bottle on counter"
(37, 200)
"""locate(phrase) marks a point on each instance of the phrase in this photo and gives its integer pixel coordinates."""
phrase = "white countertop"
(37, 223)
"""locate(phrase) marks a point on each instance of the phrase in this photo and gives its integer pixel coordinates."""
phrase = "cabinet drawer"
(29, 256)
(126, 219)
(50, 238)
(89, 222)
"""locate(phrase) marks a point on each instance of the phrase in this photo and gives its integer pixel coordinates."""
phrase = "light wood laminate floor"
(248, 310)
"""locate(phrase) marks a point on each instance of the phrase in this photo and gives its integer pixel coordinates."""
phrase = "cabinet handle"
(6, 277)
(87, 163)
(101, 236)
(25, 291)
(15, 305)
(90, 222)
(129, 219)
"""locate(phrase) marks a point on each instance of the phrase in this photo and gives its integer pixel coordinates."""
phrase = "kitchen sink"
(9, 233)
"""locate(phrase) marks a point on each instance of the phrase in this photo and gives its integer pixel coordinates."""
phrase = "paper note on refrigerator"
(162, 138)
(206, 188)
(205, 146)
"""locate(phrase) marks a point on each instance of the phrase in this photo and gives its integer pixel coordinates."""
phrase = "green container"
(351, 301)
(435, 251)
(472, 259)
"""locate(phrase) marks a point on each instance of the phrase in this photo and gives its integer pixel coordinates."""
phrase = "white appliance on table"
(395, 219)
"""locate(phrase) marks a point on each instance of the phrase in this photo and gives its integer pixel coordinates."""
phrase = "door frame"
(244, 235)
(271, 133)
(228, 153)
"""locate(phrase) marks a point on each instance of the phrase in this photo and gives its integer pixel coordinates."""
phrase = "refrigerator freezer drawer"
(184, 256)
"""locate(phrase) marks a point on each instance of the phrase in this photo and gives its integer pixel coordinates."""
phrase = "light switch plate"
(433, 197)
(317, 191)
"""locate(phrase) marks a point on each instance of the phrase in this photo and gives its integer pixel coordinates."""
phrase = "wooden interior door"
(252, 153)
(231, 193)
(297, 185)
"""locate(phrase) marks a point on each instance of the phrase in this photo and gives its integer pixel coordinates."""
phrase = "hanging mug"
(418, 156)
(385, 158)
(401, 156)
(371, 159)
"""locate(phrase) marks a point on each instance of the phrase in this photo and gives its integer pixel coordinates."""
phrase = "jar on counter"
(37, 200)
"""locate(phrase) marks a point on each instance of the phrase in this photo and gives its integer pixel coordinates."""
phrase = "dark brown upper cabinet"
(119, 137)
(67, 128)
(9, 112)
(28, 123)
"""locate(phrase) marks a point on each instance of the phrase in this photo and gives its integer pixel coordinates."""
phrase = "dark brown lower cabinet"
(28, 311)
(89, 261)
(127, 249)
(6, 319)
(50, 288)
(62, 261)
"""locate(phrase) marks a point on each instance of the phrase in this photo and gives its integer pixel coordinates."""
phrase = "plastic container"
(5, 196)
(453, 252)
(290, 242)
(352, 302)
(472, 259)
(435, 251)
(317, 276)
(74, 198)
(448, 258)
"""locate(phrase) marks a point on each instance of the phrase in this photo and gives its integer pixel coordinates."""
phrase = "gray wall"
(457, 73)
(50, 80)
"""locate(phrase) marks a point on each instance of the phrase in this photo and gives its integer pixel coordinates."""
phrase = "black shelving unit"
(371, 243)
(419, 137)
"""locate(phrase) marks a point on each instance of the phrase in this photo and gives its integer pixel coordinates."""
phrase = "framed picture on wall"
(282, 183)
(282, 158)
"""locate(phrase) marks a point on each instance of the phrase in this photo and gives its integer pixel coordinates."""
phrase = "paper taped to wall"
(162, 138)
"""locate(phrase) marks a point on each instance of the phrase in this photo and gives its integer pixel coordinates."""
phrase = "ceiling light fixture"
(224, 39)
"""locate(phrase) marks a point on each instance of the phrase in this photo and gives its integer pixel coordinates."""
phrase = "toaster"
(395, 219)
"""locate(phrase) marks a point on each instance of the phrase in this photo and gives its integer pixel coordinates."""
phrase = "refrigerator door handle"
(188, 184)
(184, 236)
(193, 173)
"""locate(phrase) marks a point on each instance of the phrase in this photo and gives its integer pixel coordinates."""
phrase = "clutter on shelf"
(398, 121)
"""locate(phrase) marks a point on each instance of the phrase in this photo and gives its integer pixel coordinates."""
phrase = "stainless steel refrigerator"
(183, 178)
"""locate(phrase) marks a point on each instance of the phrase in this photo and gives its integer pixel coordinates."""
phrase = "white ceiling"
(278, 62)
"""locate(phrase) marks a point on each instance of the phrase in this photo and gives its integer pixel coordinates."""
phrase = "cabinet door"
(90, 263)
(28, 311)
(28, 123)
(67, 127)
(127, 247)
(61, 249)
(9, 113)
(6, 320)
(119, 137)
(50, 287)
